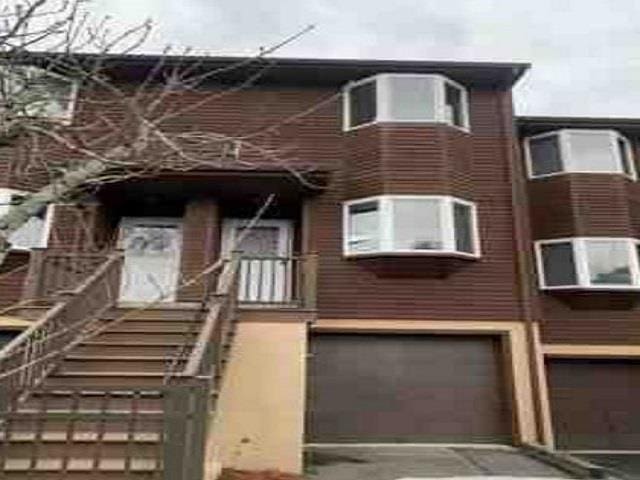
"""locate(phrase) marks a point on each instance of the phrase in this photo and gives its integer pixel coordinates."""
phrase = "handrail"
(28, 358)
(60, 305)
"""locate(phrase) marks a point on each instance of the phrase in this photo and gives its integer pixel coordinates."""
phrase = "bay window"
(579, 151)
(405, 98)
(410, 224)
(589, 263)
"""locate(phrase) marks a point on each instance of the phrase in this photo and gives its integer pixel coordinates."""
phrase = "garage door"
(406, 388)
(595, 404)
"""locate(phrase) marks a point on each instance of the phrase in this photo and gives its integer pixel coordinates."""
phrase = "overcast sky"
(585, 53)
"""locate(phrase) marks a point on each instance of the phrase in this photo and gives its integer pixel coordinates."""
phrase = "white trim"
(383, 115)
(285, 235)
(567, 161)
(581, 264)
(445, 206)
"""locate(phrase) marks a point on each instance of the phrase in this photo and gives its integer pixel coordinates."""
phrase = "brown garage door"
(595, 404)
(406, 388)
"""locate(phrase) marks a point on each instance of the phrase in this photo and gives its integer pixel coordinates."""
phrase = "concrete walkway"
(397, 462)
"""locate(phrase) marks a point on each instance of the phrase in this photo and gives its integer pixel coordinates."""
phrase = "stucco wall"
(259, 421)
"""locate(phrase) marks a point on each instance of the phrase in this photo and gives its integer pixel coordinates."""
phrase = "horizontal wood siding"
(347, 289)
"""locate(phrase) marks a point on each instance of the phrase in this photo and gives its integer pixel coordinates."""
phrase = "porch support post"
(200, 243)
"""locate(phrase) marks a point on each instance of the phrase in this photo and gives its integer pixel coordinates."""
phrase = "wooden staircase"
(129, 397)
(100, 411)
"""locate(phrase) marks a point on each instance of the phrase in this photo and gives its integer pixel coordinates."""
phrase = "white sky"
(585, 53)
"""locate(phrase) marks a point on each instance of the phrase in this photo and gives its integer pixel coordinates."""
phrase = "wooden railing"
(29, 357)
(190, 391)
(285, 281)
(53, 271)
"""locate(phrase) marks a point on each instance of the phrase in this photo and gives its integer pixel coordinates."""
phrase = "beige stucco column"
(259, 420)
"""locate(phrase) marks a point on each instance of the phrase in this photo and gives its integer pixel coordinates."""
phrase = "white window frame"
(385, 225)
(66, 117)
(6, 195)
(581, 262)
(566, 160)
(383, 109)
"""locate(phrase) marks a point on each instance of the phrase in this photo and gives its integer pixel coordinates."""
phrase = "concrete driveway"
(397, 462)
(622, 465)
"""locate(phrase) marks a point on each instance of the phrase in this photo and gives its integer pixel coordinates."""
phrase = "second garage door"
(595, 404)
(407, 388)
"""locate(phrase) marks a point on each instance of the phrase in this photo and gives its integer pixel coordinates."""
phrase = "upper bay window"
(579, 151)
(410, 224)
(405, 98)
(588, 263)
(29, 91)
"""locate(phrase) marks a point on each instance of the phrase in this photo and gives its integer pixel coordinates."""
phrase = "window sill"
(559, 174)
(414, 254)
(407, 122)
(596, 298)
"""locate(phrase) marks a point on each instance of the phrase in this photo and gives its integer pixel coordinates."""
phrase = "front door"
(151, 258)
(266, 269)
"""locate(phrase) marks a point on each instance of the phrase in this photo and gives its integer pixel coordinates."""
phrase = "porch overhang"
(227, 185)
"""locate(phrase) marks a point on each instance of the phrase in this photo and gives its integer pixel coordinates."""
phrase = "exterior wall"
(78, 227)
(347, 289)
(586, 205)
(12, 275)
(260, 416)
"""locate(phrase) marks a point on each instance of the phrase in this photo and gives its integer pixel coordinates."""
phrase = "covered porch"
(171, 229)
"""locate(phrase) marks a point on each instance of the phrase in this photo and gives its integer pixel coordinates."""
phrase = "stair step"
(169, 326)
(80, 465)
(107, 379)
(90, 364)
(110, 450)
(78, 437)
(118, 335)
(146, 348)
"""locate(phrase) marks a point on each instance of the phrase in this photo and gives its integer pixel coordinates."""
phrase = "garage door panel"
(406, 388)
(594, 403)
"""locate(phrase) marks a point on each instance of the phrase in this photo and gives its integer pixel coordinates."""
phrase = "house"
(447, 273)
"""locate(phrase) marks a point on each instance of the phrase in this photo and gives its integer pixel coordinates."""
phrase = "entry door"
(266, 269)
(151, 258)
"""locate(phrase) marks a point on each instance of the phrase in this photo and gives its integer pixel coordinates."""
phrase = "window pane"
(545, 155)
(364, 227)
(558, 264)
(362, 104)
(412, 98)
(592, 152)
(624, 156)
(454, 113)
(463, 227)
(416, 224)
(608, 262)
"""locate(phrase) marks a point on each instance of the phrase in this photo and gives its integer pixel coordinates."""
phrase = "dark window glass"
(545, 155)
(624, 156)
(462, 227)
(453, 105)
(559, 264)
(362, 104)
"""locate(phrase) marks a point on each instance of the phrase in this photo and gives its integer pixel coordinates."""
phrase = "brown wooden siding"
(489, 286)
(472, 166)
(12, 274)
(586, 205)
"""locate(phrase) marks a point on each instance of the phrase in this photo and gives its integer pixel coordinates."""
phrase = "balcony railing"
(51, 271)
(278, 281)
